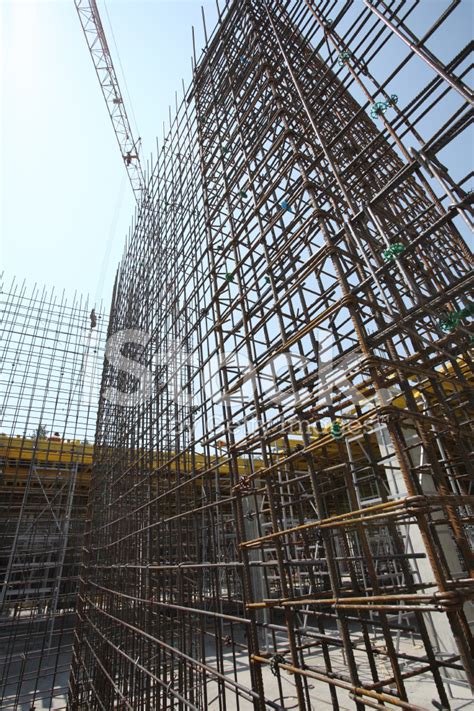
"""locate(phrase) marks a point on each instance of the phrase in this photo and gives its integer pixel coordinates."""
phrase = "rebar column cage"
(50, 376)
(281, 504)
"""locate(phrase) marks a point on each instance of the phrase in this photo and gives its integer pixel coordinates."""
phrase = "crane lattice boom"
(100, 53)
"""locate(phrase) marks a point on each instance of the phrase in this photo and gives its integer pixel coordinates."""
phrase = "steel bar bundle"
(51, 365)
(281, 506)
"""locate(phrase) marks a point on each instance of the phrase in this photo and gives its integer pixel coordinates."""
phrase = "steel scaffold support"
(51, 363)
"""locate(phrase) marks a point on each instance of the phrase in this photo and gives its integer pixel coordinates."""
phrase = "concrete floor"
(44, 697)
(421, 690)
(44, 677)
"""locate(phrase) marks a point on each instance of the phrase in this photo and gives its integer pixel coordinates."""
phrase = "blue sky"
(66, 203)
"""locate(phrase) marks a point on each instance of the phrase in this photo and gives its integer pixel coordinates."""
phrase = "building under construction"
(51, 367)
(280, 509)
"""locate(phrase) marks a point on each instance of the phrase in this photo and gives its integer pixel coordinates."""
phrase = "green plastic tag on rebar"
(393, 251)
(242, 193)
(450, 320)
(378, 109)
(344, 57)
(229, 276)
(336, 430)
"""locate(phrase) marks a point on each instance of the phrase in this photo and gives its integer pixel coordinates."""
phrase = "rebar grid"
(281, 510)
(50, 385)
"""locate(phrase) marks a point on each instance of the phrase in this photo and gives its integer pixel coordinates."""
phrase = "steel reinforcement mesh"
(49, 387)
(281, 504)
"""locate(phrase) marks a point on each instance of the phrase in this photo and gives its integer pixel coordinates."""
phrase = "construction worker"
(93, 319)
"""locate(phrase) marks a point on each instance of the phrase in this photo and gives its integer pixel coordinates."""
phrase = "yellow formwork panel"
(51, 450)
(53, 458)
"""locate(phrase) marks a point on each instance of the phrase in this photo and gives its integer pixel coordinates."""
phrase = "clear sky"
(66, 203)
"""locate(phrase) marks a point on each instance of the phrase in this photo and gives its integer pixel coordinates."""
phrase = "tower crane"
(99, 50)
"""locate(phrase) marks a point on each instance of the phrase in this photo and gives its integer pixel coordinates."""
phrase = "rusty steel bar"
(49, 384)
(282, 478)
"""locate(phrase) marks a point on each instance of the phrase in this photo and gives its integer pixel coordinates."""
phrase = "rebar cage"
(50, 377)
(281, 504)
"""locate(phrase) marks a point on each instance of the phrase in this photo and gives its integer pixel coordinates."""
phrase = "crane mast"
(102, 59)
